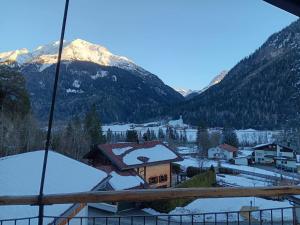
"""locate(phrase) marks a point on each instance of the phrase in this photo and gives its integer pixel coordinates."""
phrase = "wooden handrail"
(151, 195)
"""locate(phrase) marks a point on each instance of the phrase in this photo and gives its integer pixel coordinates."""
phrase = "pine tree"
(203, 140)
(152, 135)
(161, 134)
(109, 136)
(131, 136)
(230, 138)
(147, 135)
(93, 127)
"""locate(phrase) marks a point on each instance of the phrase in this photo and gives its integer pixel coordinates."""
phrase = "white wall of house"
(260, 156)
(286, 154)
(219, 153)
(287, 163)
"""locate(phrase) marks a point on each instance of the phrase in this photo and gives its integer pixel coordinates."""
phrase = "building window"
(153, 180)
(163, 178)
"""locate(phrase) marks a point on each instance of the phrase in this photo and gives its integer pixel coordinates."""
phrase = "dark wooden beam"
(291, 6)
(151, 195)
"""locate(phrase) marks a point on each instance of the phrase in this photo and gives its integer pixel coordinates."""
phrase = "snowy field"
(242, 181)
(247, 136)
(233, 205)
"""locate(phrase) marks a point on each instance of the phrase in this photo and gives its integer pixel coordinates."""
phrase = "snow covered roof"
(177, 123)
(122, 182)
(272, 147)
(263, 145)
(132, 155)
(245, 153)
(21, 174)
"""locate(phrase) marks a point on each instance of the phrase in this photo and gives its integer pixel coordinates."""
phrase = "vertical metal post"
(282, 216)
(271, 217)
(294, 216)
(227, 222)
(249, 214)
(260, 217)
(40, 202)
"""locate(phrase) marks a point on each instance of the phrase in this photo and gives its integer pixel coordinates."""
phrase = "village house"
(271, 152)
(282, 157)
(21, 174)
(244, 157)
(223, 152)
(151, 161)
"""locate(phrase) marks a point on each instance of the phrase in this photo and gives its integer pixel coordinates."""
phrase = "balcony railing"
(249, 215)
(284, 216)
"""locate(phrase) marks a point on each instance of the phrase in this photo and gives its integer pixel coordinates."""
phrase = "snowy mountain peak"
(188, 93)
(76, 50)
(16, 55)
(184, 92)
(217, 79)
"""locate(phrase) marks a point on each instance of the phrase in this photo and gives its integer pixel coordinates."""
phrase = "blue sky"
(185, 42)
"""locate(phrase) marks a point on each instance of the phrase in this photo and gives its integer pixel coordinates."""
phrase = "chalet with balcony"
(270, 153)
(151, 160)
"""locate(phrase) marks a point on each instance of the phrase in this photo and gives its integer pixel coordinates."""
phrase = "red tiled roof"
(228, 148)
(117, 160)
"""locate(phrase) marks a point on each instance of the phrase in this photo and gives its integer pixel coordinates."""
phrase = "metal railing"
(246, 215)
(276, 216)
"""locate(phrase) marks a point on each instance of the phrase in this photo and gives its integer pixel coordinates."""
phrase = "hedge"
(205, 179)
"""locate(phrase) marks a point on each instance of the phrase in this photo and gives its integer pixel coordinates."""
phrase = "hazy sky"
(184, 42)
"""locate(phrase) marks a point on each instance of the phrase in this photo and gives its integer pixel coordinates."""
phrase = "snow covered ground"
(206, 163)
(247, 136)
(242, 181)
(233, 205)
(220, 206)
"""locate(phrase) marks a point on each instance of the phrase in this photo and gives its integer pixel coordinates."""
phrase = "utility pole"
(40, 198)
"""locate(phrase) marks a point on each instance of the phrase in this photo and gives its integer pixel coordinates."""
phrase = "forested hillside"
(261, 91)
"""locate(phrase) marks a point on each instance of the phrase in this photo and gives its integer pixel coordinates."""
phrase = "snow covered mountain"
(90, 75)
(188, 93)
(184, 92)
(217, 79)
(77, 50)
